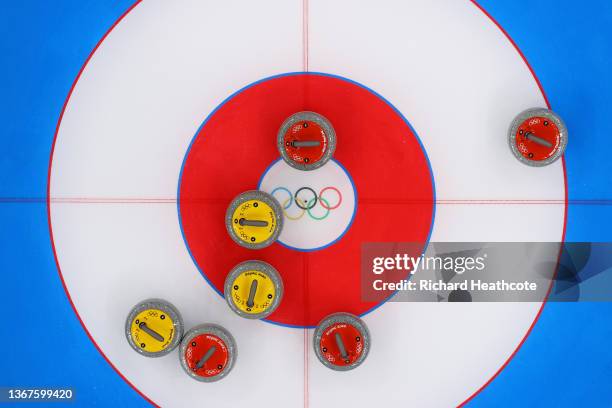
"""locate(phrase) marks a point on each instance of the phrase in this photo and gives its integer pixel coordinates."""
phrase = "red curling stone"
(342, 341)
(306, 140)
(208, 353)
(537, 137)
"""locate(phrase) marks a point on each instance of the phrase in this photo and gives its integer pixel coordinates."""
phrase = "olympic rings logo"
(305, 198)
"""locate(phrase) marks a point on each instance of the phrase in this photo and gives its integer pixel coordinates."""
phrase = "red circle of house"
(544, 129)
(376, 145)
